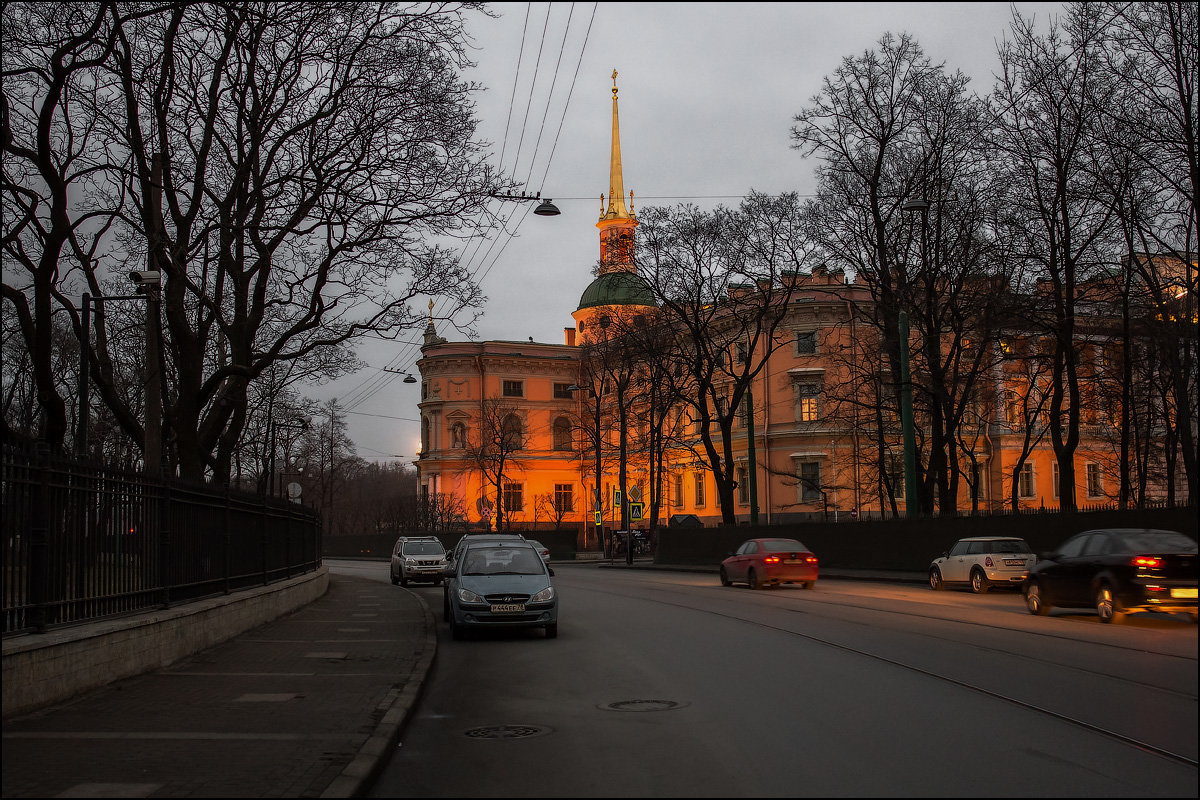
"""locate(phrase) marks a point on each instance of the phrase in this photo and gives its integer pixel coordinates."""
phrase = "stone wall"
(41, 669)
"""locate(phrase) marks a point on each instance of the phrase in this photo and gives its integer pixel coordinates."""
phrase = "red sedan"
(769, 562)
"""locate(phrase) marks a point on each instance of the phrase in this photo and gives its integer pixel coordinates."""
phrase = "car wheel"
(725, 578)
(456, 631)
(437, 581)
(1034, 600)
(394, 580)
(979, 584)
(445, 611)
(1107, 606)
(403, 580)
(752, 579)
(935, 579)
(552, 630)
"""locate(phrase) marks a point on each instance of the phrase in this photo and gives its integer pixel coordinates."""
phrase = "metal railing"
(84, 542)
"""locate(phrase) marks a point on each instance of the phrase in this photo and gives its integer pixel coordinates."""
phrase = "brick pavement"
(305, 706)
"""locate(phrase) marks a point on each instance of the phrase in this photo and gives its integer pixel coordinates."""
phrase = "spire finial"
(430, 312)
(616, 188)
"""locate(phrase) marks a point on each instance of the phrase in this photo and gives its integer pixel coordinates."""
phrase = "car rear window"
(423, 549)
(1009, 546)
(1157, 542)
(782, 546)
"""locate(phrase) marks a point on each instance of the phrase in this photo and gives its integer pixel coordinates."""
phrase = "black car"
(1116, 571)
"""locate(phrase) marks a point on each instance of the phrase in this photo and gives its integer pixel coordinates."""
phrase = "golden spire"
(616, 188)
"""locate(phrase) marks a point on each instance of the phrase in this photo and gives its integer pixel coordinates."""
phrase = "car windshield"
(502, 561)
(782, 546)
(1157, 542)
(1009, 546)
(422, 549)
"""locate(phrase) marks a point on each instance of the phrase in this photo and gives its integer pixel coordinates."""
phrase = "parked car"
(770, 562)
(418, 558)
(500, 584)
(1116, 571)
(476, 538)
(543, 551)
(982, 562)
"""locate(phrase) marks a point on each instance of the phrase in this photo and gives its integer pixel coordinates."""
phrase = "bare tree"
(283, 167)
(492, 446)
(724, 279)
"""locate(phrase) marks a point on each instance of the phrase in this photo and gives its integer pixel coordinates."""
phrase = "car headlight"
(544, 596)
(467, 596)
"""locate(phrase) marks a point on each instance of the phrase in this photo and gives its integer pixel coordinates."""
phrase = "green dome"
(617, 289)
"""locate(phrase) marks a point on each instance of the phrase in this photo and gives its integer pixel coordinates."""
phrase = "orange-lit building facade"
(507, 423)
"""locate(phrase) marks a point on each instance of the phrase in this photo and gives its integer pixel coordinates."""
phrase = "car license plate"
(508, 608)
(792, 561)
(1014, 562)
(1184, 593)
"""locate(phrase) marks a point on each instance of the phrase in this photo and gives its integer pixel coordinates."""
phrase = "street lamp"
(546, 208)
(143, 279)
(296, 424)
(911, 504)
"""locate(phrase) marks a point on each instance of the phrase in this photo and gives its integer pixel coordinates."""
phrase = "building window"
(1054, 479)
(1026, 485)
(510, 432)
(743, 486)
(808, 401)
(562, 391)
(514, 388)
(698, 477)
(1012, 407)
(514, 497)
(809, 475)
(806, 343)
(741, 353)
(896, 476)
(677, 491)
(1094, 486)
(562, 434)
(978, 484)
(564, 498)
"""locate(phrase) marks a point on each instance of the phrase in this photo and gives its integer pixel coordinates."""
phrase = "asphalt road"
(666, 684)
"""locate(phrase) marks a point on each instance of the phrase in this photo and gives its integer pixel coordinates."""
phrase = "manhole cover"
(643, 705)
(506, 732)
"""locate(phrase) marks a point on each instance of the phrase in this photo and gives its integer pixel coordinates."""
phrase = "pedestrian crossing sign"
(635, 511)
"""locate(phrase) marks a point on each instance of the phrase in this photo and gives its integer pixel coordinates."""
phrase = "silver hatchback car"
(500, 585)
(982, 562)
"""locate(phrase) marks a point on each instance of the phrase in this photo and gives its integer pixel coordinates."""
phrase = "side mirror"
(551, 570)
(729, 555)
(945, 554)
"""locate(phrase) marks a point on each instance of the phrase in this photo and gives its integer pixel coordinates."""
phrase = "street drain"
(643, 705)
(506, 732)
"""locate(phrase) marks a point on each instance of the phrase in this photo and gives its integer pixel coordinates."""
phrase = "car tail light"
(771, 559)
(810, 559)
(1146, 561)
(988, 562)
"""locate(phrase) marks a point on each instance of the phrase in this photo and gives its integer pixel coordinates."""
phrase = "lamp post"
(296, 424)
(911, 504)
(85, 362)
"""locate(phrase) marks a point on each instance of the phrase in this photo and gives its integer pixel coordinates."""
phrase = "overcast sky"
(707, 97)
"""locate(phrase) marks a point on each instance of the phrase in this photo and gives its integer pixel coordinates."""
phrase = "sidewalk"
(309, 705)
(304, 706)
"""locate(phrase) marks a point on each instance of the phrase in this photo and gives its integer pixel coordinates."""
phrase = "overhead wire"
(384, 377)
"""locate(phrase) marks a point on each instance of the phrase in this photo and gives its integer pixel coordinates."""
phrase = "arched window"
(562, 434)
(510, 432)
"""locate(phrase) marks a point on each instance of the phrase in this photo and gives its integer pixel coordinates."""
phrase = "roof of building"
(617, 289)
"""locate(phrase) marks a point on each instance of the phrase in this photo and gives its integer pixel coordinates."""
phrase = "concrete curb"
(358, 775)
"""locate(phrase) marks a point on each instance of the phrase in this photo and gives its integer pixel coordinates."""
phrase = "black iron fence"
(83, 542)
